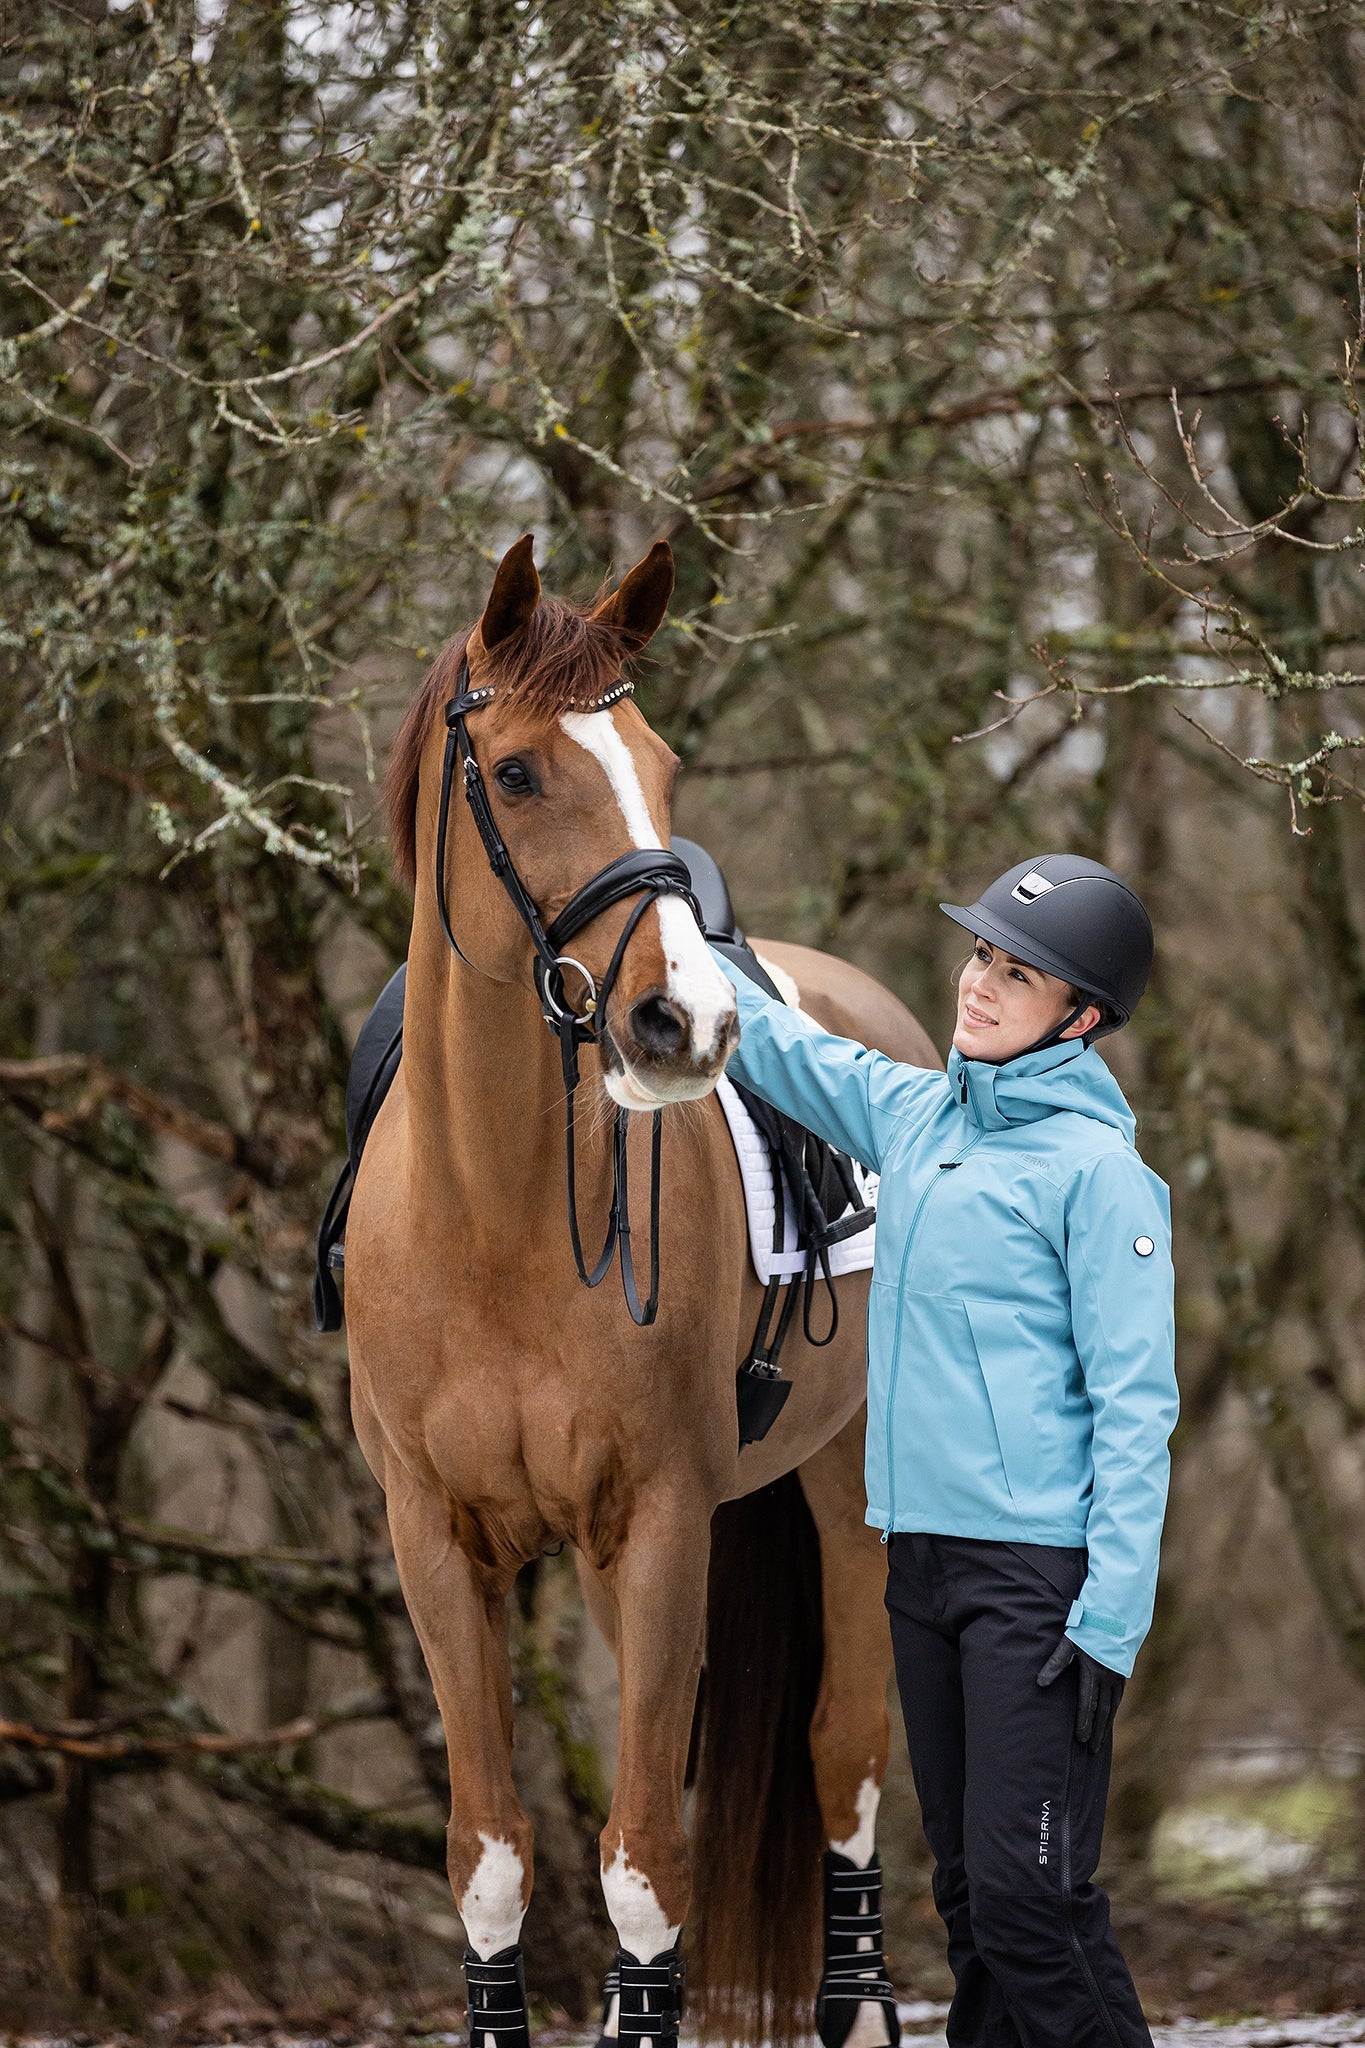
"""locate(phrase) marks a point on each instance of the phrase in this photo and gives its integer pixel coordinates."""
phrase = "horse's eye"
(516, 778)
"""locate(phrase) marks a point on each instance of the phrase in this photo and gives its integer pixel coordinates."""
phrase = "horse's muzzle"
(652, 1056)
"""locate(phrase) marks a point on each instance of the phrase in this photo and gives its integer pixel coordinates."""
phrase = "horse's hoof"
(840, 2023)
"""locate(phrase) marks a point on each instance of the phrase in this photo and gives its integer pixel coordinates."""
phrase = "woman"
(1021, 1392)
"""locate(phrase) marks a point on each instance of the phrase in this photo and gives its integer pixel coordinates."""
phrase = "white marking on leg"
(860, 1844)
(869, 2029)
(695, 983)
(492, 1908)
(641, 1926)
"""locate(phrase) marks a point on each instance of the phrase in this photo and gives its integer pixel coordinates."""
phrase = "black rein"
(647, 873)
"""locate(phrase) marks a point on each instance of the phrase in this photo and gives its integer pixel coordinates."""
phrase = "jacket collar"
(1017, 1091)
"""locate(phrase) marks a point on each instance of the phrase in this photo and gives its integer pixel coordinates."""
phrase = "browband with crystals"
(622, 689)
(470, 700)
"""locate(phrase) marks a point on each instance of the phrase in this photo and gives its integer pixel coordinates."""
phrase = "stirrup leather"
(650, 1995)
(497, 1999)
(853, 1975)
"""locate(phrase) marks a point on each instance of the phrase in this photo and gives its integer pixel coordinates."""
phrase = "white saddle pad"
(853, 1255)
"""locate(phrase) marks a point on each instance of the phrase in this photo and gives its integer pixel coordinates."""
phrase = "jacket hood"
(1038, 1084)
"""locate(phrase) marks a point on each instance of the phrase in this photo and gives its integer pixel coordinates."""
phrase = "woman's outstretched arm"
(854, 1098)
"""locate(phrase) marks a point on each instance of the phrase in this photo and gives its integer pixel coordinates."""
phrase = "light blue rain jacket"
(1021, 1372)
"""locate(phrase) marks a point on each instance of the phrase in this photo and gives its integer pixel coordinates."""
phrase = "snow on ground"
(1341, 2030)
(922, 2024)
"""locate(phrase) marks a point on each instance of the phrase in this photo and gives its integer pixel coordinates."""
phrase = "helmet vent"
(1031, 886)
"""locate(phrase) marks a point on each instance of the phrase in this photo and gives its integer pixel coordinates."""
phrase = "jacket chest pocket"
(1018, 1368)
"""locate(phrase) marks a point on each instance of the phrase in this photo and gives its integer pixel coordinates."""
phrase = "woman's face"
(1003, 1005)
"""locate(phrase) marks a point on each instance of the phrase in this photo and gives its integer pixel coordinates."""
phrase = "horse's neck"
(485, 1094)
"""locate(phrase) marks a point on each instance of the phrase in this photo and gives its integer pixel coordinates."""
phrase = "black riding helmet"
(1072, 918)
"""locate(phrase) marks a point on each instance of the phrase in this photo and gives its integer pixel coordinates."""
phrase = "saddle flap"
(378, 1050)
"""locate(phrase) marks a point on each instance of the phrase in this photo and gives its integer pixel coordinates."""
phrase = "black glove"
(1097, 1697)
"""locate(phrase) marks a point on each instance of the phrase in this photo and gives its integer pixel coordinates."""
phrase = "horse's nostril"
(657, 1026)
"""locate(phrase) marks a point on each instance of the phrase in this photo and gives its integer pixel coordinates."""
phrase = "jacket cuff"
(1103, 1637)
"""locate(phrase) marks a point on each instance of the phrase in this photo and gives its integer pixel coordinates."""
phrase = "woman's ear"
(637, 608)
(514, 596)
(1089, 1020)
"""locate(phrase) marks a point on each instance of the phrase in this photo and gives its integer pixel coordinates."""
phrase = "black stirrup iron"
(647, 873)
(854, 1974)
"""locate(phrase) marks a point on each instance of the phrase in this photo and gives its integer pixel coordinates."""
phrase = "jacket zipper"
(944, 1166)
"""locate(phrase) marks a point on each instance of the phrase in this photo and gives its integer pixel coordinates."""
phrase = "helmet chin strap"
(1054, 1037)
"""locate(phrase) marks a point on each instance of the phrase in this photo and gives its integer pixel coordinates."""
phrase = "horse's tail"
(755, 1928)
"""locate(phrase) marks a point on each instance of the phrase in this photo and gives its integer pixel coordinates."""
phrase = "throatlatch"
(650, 1996)
(855, 1968)
(496, 1993)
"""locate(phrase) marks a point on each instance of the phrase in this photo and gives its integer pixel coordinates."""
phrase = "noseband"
(646, 873)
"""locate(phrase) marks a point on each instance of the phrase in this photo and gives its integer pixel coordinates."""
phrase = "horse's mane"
(561, 659)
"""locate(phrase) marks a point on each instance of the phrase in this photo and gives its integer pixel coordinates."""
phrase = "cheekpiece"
(467, 700)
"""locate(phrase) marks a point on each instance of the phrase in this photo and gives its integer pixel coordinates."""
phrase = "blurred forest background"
(994, 371)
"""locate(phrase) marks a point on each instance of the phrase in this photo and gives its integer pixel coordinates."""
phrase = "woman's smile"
(1004, 1006)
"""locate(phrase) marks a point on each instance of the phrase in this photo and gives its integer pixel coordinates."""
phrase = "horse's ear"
(637, 608)
(514, 596)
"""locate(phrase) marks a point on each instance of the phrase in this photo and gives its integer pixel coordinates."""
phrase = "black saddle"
(713, 897)
(825, 1197)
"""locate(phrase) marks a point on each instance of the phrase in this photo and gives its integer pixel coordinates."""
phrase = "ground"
(922, 2024)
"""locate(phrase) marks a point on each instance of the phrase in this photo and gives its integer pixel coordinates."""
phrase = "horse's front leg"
(658, 1583)
(458, 1610)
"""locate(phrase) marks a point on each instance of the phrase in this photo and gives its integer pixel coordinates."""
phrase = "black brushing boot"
(496, 1994)
(611, 1989)
(651, 1999)
(853, 1975)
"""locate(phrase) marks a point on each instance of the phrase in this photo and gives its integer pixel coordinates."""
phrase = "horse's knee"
(490, 1876)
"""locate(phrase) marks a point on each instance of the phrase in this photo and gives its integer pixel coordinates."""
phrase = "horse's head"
(573, 784)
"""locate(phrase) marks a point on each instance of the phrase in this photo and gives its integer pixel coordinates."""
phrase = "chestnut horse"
(504, 1408)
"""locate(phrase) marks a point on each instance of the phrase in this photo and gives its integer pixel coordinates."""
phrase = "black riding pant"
(1013, 1805)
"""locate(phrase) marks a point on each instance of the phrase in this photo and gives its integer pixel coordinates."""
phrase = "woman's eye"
(514, 778)
(1015, 975)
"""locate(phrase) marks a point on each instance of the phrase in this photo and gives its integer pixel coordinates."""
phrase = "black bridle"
(647, 873)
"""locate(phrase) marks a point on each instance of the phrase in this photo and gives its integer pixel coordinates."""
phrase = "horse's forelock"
(562, 659)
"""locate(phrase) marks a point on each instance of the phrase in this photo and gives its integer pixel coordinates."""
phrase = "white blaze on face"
(641, 1926)
(869, 2029)
(695, 983)
(491, 1908)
